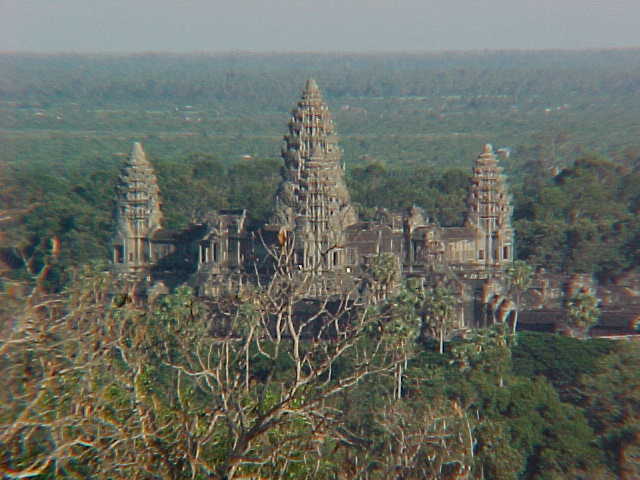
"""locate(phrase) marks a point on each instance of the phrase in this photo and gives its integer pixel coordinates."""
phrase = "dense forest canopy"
(410, 126)
(433, 108)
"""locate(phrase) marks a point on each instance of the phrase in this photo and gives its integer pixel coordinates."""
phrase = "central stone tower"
(490, 211)
(313, 203)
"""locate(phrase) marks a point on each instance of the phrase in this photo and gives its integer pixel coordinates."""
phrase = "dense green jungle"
(96, 387)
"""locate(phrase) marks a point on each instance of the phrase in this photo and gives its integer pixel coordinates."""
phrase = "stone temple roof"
(138, 157)
(313, 187)
(311, 91)
(138, 167)
(138, 192)
(458, 233)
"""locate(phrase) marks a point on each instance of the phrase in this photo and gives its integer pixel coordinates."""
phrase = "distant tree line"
(201, 78)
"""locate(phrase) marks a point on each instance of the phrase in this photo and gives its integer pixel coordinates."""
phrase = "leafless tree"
(426, 441)
(240, 386)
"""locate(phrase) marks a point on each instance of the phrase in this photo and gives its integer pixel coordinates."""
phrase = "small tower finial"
(311, 84)
(137, 154)
(311, 89)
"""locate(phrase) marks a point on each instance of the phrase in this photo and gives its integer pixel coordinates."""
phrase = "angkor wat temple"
(315, 219)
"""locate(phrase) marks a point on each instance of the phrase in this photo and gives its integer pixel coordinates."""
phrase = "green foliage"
(519, 276)
(582, 220)
(438, 313)
(612, 399)
(520, 414)
(519, 425)
(441, 193)
(583, 312)
(382, 274)
(484, 352)
(561, 360)
(401, 319)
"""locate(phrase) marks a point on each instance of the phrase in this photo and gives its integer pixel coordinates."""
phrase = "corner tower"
(138, 214)
(490, 210)
(313, 202)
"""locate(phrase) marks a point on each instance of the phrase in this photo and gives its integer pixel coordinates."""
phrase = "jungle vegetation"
(242, 386)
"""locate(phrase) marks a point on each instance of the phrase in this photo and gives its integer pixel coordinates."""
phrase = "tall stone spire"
(313, 201)
(138, 213)
(490, 210)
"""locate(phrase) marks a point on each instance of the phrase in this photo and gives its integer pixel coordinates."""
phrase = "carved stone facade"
(313, 203)
(490, 212)
(313, 211)
(138, 216)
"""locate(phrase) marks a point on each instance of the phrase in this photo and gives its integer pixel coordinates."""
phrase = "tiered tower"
(313, 202)
(490, 211)
(138, 214)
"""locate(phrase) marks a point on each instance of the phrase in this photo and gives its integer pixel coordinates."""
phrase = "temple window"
(505, 253)
(480, 254)
(204, 253)
(118, 254)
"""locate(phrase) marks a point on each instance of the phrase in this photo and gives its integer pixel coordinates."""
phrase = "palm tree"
(438, 313)
(519, 276)
(583, 312)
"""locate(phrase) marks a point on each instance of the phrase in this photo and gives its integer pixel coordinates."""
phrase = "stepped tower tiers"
(490, 210)
(313, 202)
(138, 214)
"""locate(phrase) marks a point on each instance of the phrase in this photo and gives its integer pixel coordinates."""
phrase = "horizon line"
(117, 53)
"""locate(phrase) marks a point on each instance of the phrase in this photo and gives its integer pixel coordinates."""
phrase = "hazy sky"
(315, 25)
